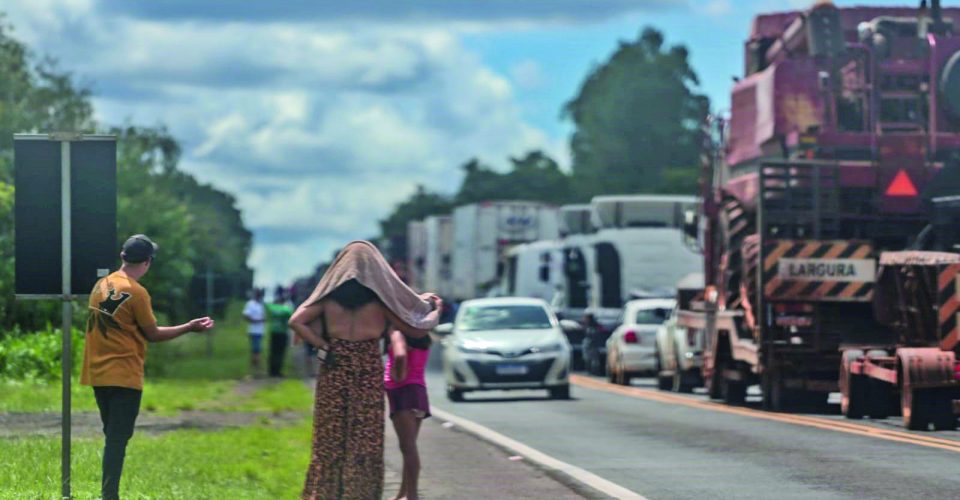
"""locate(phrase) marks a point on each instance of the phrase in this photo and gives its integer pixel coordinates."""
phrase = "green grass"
(286, 395)
(259, 461)
(180, 376)
(162, 396)
(253, 462)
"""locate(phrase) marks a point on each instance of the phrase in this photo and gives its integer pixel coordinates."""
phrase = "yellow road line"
(815, 422)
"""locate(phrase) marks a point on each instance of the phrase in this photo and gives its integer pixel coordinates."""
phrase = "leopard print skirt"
(347, 459)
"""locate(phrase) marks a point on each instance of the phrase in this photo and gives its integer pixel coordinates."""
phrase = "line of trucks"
(584, 259)
(826, 230)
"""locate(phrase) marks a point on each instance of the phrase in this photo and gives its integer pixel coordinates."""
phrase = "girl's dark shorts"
(409, 397)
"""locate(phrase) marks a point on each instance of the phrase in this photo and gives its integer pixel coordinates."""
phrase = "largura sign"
(845, 270)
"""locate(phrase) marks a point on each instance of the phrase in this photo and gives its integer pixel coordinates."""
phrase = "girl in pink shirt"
(407, 392)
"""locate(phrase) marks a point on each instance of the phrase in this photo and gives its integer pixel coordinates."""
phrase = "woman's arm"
(401, 325)
(300, 324)
(399, 347)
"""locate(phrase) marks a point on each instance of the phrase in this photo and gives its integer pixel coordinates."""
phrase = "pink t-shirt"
(416, 365)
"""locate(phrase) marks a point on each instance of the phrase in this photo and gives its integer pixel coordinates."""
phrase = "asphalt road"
(686, 447)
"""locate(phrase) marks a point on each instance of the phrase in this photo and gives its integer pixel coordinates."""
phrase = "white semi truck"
(484, 232)
(416, 255)
(438, 262)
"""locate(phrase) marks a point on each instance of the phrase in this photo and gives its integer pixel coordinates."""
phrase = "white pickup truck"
(679, 343)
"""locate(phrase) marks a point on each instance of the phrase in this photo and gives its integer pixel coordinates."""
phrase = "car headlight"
(548, 348)
(470, 349)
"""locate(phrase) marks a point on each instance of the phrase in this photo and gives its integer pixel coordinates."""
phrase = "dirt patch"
(88, 423)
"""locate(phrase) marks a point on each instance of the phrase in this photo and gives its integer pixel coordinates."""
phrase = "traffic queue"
(542, 291)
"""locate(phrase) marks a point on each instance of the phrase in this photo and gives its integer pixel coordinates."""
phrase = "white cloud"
(318, 130)
(527, 74)
(718, 7)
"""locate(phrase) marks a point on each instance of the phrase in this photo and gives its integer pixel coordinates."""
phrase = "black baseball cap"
(138, 248)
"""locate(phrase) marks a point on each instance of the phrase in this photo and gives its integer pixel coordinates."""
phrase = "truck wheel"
(879, 393)
(914, 407)
(713, 384)
(854, 389)
(663, 382)
(678, 383)
(734, 392)
(942, 412)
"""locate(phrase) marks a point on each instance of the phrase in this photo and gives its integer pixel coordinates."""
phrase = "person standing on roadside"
(256, 314)
(278, 314)
(406, 386)
(120, 324)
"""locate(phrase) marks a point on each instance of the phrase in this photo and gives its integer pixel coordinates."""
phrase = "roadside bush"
(36, 355)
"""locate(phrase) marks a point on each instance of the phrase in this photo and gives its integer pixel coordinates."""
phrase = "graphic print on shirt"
(105, 310)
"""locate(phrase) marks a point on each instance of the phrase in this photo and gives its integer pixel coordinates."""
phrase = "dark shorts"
(409, 397)
(256, 343)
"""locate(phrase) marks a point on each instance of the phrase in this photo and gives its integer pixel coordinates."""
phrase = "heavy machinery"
(845, 127)
(918, 297)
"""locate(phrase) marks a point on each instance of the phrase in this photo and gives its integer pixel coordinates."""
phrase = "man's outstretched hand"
(200, 324)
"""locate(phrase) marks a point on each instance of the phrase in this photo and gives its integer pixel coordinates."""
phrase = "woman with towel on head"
(359, 299)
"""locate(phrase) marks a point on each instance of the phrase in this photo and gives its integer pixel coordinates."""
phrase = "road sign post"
(66, 361)
(64, 180)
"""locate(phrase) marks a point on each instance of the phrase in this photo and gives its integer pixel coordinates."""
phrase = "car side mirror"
(444, 329)
(569, 325)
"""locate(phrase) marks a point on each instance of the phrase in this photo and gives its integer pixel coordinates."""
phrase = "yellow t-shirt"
(115, 346)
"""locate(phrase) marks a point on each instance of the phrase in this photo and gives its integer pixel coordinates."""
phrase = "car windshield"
(519, 317)
(653, 316)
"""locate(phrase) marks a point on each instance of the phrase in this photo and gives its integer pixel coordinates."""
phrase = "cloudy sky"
(321, 115)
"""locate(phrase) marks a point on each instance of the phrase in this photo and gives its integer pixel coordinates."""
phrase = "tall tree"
(197, 225)
(636, 119)
(535, 176)
(422, 203)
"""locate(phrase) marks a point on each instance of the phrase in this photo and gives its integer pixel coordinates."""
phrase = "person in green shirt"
(278, 314)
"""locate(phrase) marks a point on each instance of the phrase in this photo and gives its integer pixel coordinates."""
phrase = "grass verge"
(250, 463)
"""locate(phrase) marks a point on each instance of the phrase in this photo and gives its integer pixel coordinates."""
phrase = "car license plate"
(511, 370)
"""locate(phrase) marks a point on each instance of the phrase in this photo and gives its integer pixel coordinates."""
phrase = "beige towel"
(360, 260)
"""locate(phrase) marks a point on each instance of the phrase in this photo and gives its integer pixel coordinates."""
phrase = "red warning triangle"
(901, 185)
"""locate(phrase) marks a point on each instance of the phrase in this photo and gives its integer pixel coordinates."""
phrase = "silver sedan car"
(505, 343)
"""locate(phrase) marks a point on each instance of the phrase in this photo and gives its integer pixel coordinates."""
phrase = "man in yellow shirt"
(120, 324)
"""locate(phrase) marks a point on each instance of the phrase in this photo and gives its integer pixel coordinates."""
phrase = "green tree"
(534, 176)
(636, 119)
(422, 203)
(197, 226)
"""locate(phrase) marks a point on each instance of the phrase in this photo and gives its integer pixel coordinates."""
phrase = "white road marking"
(542, 459)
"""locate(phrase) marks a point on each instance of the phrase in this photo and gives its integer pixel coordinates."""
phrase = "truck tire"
(664, 382)
(915, 409)
(775, 396)
(734, 392)
(880, 393)
(854, 389)
(713, 384)
(678, 382)
(942, 411)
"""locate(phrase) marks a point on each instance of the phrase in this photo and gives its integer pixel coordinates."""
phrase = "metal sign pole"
(67, 351)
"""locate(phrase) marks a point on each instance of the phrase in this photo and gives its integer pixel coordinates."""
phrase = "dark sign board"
(38, 160)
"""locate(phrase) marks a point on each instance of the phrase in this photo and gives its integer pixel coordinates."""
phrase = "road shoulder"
(458, 465)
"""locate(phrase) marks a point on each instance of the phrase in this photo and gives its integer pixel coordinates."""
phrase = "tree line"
(197, 226)
(636, 122)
